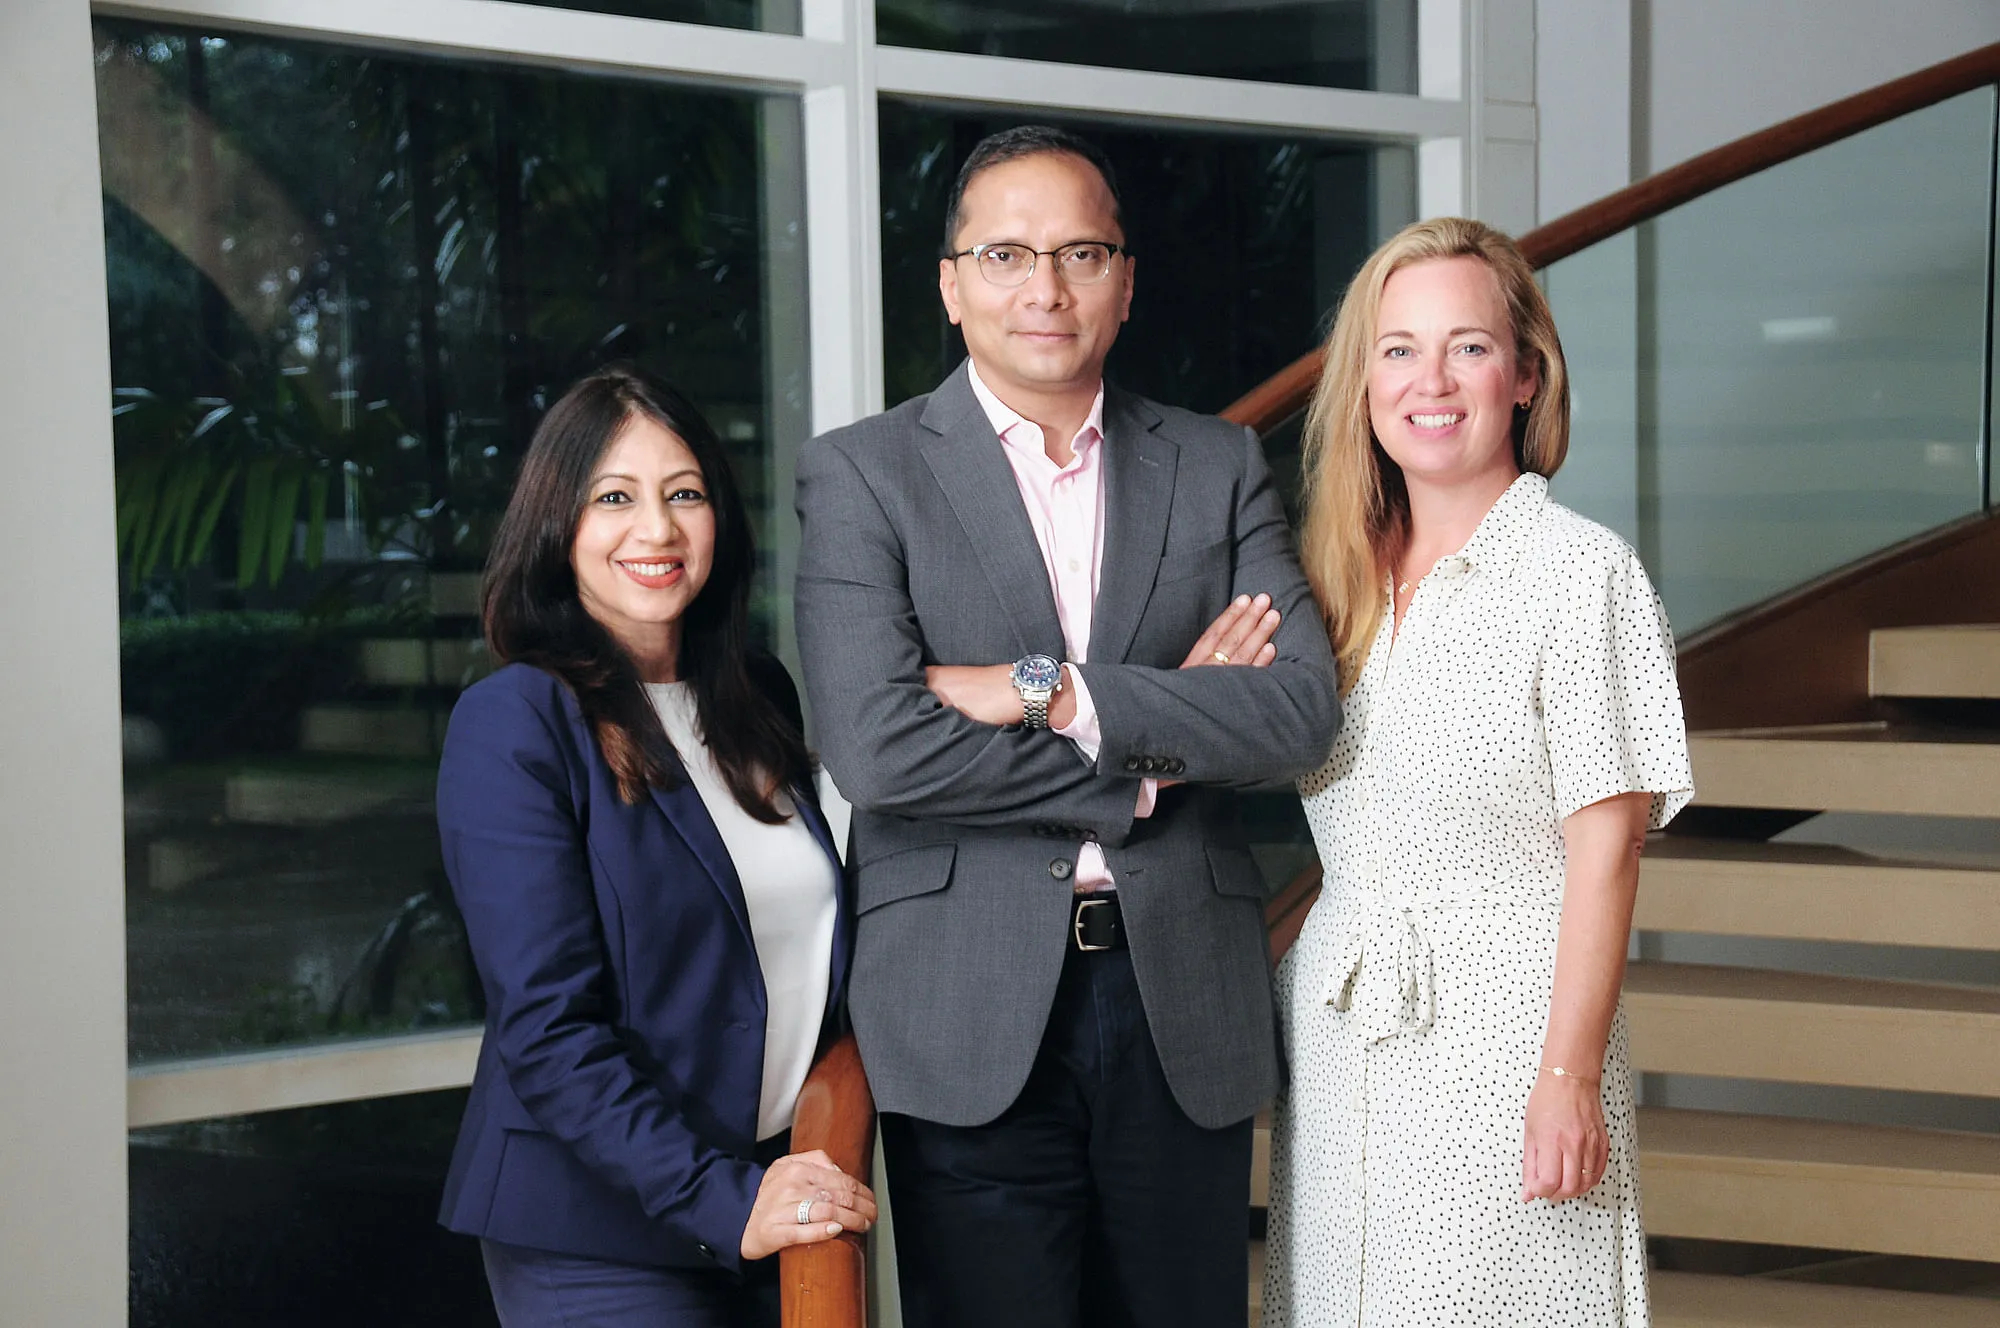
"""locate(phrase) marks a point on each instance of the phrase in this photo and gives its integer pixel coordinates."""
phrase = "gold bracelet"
(1561, 1073)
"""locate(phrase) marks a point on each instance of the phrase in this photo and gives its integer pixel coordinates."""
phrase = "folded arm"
(889, 742)
(1233, 726)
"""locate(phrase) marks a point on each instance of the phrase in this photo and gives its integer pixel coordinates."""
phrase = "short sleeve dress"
(1533, 675)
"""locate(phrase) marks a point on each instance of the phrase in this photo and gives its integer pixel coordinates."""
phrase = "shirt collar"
(1503, 533)
(1005, 418)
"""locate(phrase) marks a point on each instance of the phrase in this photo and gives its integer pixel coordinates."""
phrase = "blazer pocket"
(1193, 562)
(1235, 872)
(903, 874)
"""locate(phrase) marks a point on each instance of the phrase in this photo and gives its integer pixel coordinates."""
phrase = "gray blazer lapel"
(1139, 467)
(965, 457)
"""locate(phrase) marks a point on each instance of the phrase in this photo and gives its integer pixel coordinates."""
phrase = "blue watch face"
(1037, 673)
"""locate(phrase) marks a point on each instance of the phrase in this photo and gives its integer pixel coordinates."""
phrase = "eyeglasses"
(1084, 263)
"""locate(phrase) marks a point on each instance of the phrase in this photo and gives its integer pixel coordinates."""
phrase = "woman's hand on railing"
(831, 1200)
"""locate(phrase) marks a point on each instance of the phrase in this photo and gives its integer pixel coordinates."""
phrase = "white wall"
(62, 931)
(1625, 88)
(1720, 69)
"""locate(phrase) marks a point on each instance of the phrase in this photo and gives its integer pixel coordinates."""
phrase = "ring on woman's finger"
(805, 1211)
(1219, 657)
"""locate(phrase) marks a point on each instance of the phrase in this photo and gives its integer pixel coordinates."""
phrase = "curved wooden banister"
(1285, 393)
(826, 1285)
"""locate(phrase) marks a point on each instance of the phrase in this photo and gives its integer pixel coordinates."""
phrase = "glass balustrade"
(1793, 372)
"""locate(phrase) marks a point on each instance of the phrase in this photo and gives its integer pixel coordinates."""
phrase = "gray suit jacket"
(917, 551)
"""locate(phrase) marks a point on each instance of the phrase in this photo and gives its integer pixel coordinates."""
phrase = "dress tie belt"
(1382, 971)
(1382, 974)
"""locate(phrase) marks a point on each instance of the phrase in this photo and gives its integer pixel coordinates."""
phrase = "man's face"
(1045, 335)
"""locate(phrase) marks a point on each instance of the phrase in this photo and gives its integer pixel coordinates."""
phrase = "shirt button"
(1075, 565)
(1061, 869)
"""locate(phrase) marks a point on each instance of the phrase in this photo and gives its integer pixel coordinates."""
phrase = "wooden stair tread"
(1746, 1023)
(1960, 661)
(1788, 1141)
(1857, 768)
(1815, 892)
(1723, 982)
(1694, 1300)
(1819, 1184)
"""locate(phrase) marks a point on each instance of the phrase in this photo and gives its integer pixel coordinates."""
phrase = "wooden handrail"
(825, 1285)
(1285, 393)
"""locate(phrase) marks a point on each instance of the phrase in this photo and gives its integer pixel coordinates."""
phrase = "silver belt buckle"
(1076, 924)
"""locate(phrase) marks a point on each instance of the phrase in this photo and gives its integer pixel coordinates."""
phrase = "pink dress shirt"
(1066, 509)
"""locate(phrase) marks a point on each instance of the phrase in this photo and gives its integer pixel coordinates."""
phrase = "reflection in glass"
(342, 289)
(1242, 245)
(758, 15)
(325, 1216)
(1370, 45)
(1787, 375)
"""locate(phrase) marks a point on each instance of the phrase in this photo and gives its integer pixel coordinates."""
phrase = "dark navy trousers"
(1091, 1202)
(537, 1289)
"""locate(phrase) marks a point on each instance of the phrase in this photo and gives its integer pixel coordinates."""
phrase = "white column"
(62, 920)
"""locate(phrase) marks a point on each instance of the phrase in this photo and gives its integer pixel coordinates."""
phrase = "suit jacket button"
(1152, 765)
(1061, 868)
(1133, 763)
(706, 1252)
(1176, 766)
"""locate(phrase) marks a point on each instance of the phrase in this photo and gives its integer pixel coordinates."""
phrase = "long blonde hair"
(1357, 509)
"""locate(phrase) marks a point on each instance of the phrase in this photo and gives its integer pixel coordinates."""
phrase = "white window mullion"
(1175, 100)
(495, 31)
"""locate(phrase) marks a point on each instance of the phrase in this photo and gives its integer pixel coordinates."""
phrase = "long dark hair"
(533, 615)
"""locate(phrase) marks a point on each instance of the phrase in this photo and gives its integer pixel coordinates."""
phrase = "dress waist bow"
(1381, 976)
(1382, 973)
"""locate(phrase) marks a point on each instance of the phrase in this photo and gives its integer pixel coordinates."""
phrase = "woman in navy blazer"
(651, 894)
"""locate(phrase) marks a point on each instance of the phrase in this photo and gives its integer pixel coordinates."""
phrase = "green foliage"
(265, 459)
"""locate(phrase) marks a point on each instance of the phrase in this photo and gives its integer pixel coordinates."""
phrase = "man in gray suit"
(1007, 593)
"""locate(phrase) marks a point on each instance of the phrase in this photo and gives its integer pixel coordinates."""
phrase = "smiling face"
(645, 543)
(1445, 374)
(1044, 337)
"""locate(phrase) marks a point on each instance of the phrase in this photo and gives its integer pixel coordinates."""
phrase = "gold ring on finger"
(1220, 658)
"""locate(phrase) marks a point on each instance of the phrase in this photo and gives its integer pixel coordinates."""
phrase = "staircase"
(1827, 1205)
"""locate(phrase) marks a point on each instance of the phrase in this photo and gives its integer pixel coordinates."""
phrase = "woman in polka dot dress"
(1456, 1146)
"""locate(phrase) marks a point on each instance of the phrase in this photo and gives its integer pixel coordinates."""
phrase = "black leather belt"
(1096, 924)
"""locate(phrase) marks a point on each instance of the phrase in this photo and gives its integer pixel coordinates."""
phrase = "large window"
(343, 288)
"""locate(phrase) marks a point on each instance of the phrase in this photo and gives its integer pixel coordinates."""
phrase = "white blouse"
(791, 889)
(1533, 674)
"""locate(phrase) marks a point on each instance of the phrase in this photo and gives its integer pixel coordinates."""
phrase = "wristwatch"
(1036, 678)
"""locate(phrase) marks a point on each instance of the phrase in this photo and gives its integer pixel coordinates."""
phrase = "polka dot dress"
(1533, 674)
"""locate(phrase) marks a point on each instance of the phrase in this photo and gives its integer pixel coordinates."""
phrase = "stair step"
(1778, 1181)
(455, 594)
(1809, 1028)
(1961, 662)
(1850, 768)
(410, 663)
(1694, 1300)
(1812, 893)
(360, 731)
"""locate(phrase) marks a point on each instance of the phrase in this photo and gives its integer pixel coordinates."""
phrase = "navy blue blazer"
(613, 1114)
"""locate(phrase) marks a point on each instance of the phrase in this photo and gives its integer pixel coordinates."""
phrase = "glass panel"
(342, 289)
(1788, 374)
(1366, 44)
(1244, 244)
(759, 15)
(326, 1215)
